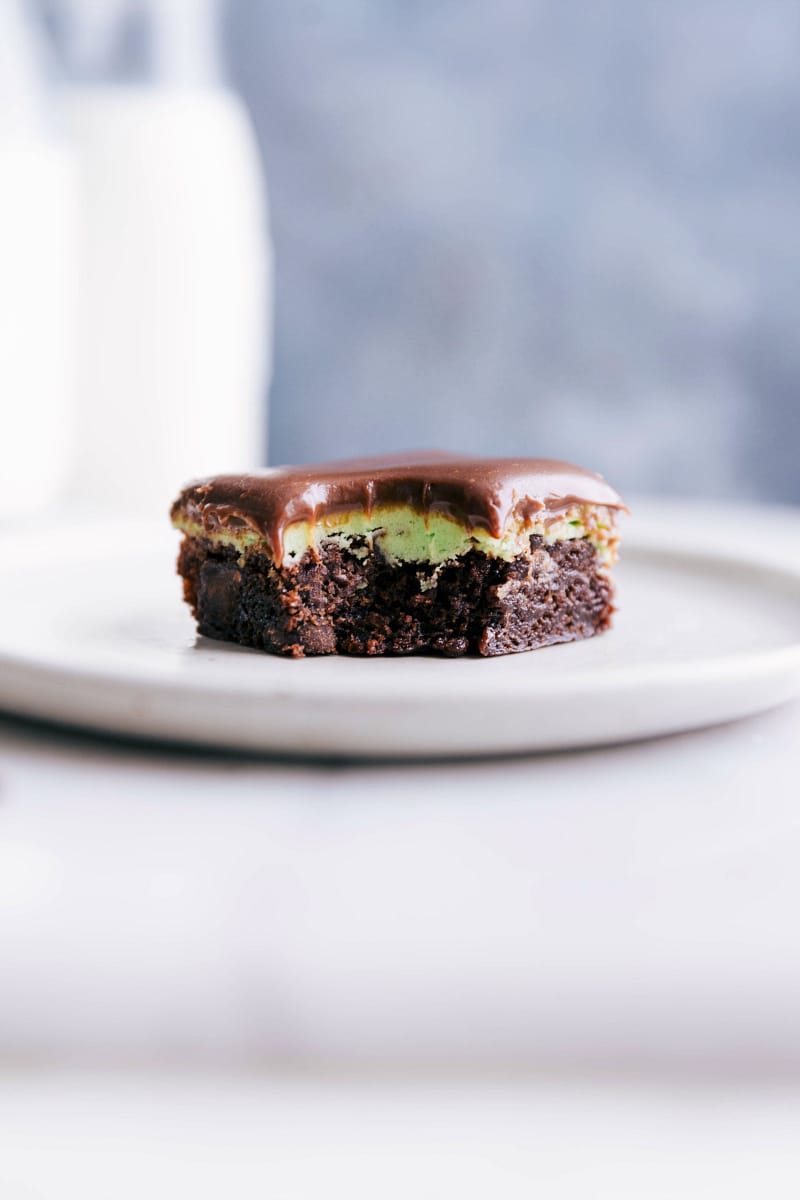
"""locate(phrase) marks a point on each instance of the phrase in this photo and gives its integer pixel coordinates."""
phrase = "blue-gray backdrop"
(535, 226)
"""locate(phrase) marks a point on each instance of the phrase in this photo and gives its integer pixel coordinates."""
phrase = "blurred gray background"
(533, 227)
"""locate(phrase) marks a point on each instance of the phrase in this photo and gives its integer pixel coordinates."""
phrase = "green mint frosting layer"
(404, 535)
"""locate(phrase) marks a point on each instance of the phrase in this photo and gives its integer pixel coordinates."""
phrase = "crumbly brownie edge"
(358, 604)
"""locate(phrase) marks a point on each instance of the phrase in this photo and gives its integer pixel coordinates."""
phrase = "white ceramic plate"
(93, 633)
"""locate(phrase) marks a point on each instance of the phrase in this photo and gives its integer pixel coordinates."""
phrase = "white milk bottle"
(37, 281)
(175, 275)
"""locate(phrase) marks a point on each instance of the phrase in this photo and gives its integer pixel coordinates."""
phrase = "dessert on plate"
(428, 553)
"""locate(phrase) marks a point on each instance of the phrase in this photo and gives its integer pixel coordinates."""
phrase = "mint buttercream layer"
(402, 534)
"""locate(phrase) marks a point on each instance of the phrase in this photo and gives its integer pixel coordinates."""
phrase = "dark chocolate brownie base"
(340, 604)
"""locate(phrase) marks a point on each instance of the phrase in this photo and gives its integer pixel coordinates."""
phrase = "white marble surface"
(91, 1137)
(623, 906)
(619, 908)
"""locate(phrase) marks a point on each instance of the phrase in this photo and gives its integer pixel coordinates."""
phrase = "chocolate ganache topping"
(479, 493)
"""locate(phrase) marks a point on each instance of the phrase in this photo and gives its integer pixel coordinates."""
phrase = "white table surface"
(628, 905)
(605, 915)
(87, 1137)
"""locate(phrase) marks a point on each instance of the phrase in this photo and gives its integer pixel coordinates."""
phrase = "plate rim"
(25, 679)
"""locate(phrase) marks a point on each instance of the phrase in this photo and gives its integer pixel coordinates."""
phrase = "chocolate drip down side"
(480, 494)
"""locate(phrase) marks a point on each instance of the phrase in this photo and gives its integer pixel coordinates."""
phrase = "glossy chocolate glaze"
(480, 493)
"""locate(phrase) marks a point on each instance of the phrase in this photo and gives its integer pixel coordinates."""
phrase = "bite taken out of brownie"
(422, 554)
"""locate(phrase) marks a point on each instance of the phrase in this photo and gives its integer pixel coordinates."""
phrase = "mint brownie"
(434, 554)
